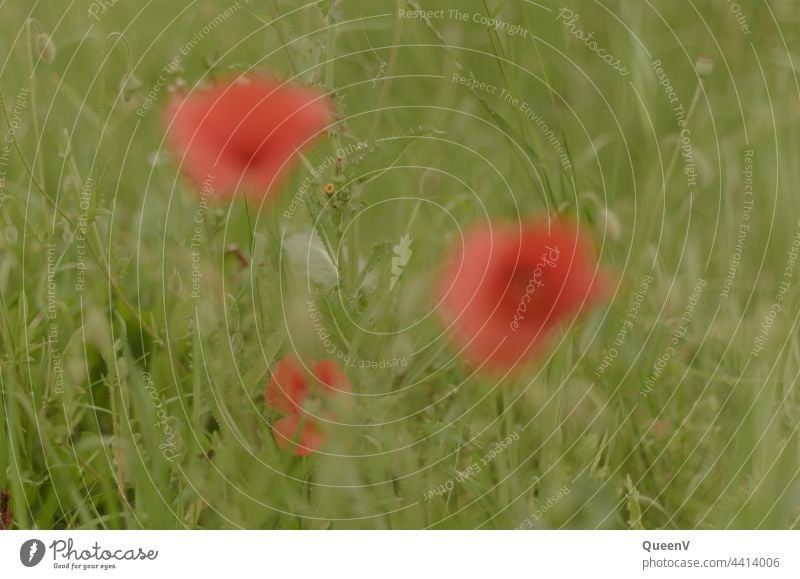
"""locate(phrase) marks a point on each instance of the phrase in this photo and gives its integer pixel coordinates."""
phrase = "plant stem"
(34, 116)
(651, 215)
(390, 70)
(276, 21)
(330, 75)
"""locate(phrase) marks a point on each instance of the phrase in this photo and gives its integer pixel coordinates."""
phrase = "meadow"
(142, 316)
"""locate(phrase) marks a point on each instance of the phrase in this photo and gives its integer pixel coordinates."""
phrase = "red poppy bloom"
(505, 288)
(305, 442)
(290, 386)
(243, 133)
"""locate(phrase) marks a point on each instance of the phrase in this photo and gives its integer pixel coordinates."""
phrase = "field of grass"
(139, 319)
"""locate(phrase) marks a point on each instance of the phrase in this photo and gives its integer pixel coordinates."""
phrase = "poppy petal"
(331, 376)
(288, 386)
(288, 435)
(243, 133)
(506, 288)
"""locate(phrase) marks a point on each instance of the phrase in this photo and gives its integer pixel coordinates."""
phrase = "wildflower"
(290, 386)
(243, 132)
(286, 434)
(505, 289)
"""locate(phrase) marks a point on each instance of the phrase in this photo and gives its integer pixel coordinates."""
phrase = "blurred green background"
(673, 406)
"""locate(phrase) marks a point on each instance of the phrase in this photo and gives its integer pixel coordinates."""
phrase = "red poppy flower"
(305, 442)
(505, 288)
(243, 132)
(290, 386)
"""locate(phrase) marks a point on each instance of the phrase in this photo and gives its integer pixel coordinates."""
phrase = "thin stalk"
(253, 273)
(275, 12)
(651, 215)
(330, 83)
(398, 27)
(34, 116)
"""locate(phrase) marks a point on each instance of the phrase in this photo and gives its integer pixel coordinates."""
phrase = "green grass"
(712, 444)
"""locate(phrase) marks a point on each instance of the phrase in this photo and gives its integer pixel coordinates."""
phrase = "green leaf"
(634, 508)
(378, 252)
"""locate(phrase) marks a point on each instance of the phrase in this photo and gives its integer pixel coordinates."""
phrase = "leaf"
(378, 252)
(634, 508)
(597, 471)
(321, 219)
(306, 253)
(259, 250)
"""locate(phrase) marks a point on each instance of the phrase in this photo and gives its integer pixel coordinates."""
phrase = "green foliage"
(132, 380)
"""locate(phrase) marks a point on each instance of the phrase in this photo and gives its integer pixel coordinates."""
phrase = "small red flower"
(289, 387)
(243, 132)
(286, 435)
(506, 288)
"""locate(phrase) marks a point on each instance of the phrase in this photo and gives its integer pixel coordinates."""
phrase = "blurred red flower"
(291, 384)
(505, 288)
(289, 387)
(243, 132)
(305, 442)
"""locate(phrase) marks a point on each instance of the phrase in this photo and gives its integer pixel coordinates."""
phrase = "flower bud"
(45, 47)
(704, 66)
